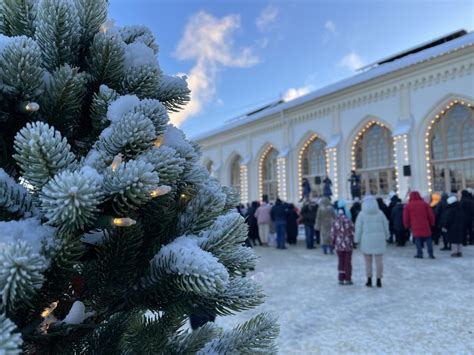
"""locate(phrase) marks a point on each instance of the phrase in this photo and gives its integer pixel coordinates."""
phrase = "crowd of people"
(368, 224)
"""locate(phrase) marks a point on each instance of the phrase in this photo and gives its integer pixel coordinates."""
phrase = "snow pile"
(121, 106)
(184, 257)
(92, 157)
(138, 54)
(29, 230)
(92, 174)
(175, 138)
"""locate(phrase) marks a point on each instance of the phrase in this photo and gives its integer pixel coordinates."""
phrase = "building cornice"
(428, 73)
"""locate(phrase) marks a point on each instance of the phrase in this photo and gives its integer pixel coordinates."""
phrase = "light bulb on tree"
(107, 25)
(123, 222)
(158, 141)
(48, 310)
(116, 162)
(160, 191)
(29, 106)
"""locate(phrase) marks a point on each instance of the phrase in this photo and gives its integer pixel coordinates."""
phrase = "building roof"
(422, 53)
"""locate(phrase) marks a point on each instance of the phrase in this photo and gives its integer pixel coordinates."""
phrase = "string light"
(160, 191)
(244, 183)
(158, 141)
(107, 25)
(281, 175)
(123, 222)
(48, 310)
(116, 162)
(428, 137)
(260, 168)
(32, 107)
(48, 318)
(300, 161)
(335, 183)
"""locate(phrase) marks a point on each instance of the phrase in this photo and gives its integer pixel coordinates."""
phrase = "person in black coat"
(278, 214)
(292, 224)
(393, 201)
(455, 225)
(355, 185)
(355, 210)
(308, 218)
(467, 206)
(252, 222)
(317, 235)
(440, 220)
(401, 233)
(306, 187)
(383, 207)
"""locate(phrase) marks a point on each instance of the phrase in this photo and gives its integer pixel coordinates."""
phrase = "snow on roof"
(418, 48)
(380, 70)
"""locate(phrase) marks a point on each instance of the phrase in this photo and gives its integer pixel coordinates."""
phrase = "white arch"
(228, 165)
(266, 148)
(422, 132)
(301, 147)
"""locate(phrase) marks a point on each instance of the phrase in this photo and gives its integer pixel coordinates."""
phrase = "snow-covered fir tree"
(111, 233)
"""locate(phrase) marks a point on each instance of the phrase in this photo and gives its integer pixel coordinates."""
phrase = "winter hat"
(451, 200)
(435, 198)
(368, 198)
(341, 205)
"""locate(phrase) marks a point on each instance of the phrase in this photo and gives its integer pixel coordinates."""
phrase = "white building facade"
(406, 123)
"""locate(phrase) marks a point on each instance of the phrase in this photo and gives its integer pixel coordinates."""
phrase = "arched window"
(452, 149)
(235, 173)
(373, 161)
(313, 164)
(269, 178)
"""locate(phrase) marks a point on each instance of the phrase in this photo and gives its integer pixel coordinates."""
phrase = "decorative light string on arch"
(260, 167)
(305, 146)
(281, 177)
(331, 153)
(359, 135)
(244, 183)
(428, 136)
(404, 139)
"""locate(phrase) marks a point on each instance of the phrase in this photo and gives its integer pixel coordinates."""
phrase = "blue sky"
(239, 55)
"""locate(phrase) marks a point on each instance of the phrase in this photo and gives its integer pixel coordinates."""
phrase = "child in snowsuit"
(343, 242)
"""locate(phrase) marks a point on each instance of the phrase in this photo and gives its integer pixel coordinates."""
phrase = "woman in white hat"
(372, 232)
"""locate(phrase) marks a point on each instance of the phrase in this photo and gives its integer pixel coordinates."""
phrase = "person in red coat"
(419, 217)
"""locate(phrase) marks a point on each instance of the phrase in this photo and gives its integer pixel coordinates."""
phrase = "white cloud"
(267, 17)
(330, 26)
(262, 42)
(351, 61)
(294, 93)
(209, 41)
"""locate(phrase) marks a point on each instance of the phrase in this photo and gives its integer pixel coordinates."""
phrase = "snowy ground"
(425, 306)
